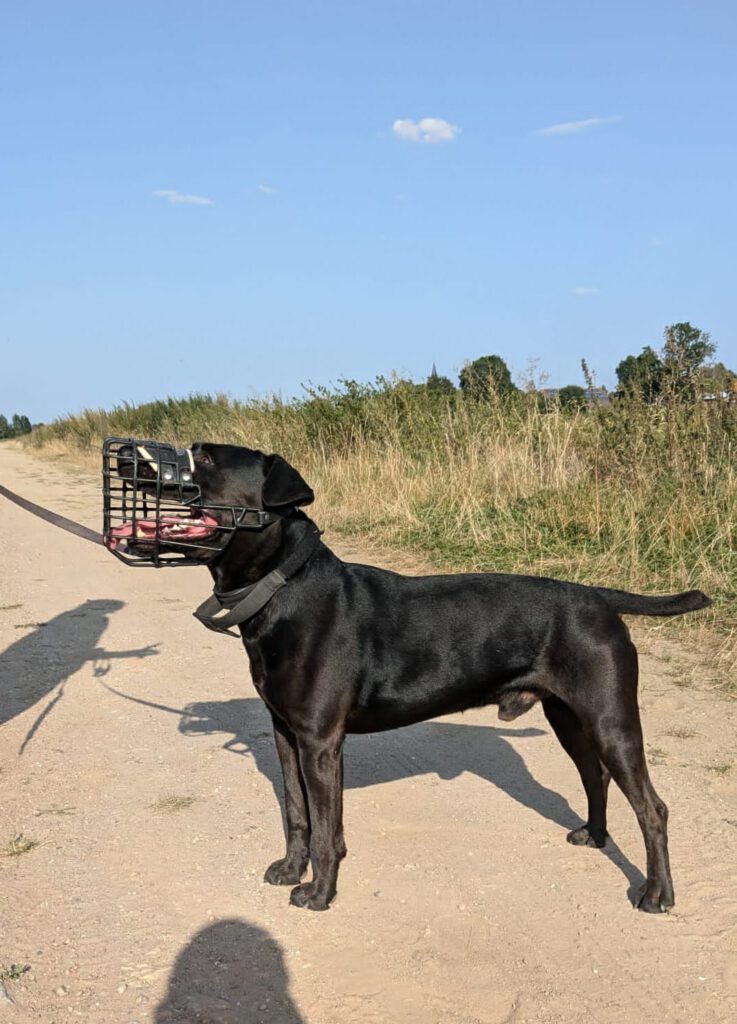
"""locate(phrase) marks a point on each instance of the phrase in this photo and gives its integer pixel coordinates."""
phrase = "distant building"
(598, 396)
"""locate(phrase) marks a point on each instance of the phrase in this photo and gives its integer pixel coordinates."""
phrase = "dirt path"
(460, 901)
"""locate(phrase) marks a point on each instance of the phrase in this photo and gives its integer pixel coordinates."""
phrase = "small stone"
(61, 990)
(121, 988)
(5, 999)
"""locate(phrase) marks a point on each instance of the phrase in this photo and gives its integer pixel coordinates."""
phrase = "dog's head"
(186, 504)
(230, 476)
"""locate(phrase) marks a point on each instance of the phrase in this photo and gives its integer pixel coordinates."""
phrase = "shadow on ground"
(230, 973)
(444, 749)
(44, 659)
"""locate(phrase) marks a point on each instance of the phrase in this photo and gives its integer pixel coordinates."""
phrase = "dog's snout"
(129, 466)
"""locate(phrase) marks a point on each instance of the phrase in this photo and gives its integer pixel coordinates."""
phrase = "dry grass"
(172, 803)
(632, 496)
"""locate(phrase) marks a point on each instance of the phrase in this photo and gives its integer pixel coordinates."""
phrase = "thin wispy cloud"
(428, 129)
(585, 290)
(656, 242)
(171, 195)
(267, 190)
(576, 127)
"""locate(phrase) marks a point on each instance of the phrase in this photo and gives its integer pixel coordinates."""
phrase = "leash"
(232, 607)
(223, 609)
(53, 517)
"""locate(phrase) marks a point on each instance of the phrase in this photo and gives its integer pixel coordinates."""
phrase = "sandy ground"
(136, 754)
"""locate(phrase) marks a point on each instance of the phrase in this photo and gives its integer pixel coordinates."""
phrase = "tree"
(641, 375)
(572, 396)
(21, 425)
(439, 386)
(718, 380)
(679, 370)
(486, 376)
(685, 351)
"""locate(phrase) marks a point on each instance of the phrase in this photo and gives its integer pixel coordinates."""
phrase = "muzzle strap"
(223, 610)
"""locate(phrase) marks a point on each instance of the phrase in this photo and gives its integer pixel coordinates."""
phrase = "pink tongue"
(149, 528)
(126, 530)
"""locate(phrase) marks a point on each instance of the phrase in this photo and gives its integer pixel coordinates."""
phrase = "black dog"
(344, 648)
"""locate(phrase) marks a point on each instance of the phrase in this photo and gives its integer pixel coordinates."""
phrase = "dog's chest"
(265, 661)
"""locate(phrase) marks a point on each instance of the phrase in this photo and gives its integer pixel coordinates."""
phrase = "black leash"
(224, 608)
(52, 517)
(229, 608)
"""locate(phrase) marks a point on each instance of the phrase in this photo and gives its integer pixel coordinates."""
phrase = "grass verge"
(636, 496)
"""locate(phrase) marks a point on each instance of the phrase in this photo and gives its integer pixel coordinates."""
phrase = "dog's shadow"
(445, 749)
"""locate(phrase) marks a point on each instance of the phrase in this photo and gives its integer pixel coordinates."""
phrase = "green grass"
(13, 972)
(19, 845)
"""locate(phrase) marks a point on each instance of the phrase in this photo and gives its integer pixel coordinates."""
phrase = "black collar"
(228, 608)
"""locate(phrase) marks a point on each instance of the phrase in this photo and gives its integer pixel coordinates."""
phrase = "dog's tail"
(642, 604)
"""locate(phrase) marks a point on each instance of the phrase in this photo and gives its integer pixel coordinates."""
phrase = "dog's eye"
(203, 460)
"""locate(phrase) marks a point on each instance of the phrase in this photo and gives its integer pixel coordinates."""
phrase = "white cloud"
(171, 195)
(585, 290)
(429, 129)
(656, 242)
(574, 127)
(267, 190)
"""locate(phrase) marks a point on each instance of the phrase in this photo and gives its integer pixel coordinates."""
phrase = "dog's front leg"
(289, 869)
(321, 764)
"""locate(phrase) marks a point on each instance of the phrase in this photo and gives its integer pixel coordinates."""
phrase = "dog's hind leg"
(595, 777)
(614, 719)
(622, 751)
(289, 869)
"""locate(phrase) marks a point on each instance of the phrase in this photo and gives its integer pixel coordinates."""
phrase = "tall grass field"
(632, 495)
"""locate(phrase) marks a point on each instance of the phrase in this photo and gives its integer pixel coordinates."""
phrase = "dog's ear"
(283, 485)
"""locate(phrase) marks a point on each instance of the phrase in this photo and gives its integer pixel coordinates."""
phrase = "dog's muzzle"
(154, 512)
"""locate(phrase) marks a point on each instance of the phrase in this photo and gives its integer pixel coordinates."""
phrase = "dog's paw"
(655, 901)
(284, 872)
(582, 837)
(308, 898)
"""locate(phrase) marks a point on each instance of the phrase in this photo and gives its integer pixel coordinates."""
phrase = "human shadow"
(232, 972)
(441, 748)
(43, 660)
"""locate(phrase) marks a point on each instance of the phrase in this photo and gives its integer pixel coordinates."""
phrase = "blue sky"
(245, 196)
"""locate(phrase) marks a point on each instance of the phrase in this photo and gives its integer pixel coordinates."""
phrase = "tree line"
(14, 427)
(683, 368)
